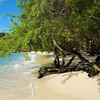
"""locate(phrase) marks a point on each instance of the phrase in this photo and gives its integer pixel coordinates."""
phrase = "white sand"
(67, 86)
(70, 86)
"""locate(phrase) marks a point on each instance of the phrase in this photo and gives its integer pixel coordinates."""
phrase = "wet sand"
(15, 89)
(66, 86)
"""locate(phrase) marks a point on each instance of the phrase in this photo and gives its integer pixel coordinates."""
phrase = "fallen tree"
(59, 66)
(92, 68)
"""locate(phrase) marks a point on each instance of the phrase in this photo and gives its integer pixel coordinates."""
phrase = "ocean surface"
(16, 79)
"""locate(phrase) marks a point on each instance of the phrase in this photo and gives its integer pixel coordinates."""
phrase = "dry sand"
(66, 86)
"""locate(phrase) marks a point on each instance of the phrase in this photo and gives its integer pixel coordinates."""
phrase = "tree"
(74, 25)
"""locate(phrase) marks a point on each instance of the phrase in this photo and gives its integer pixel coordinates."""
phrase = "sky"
(6, 7)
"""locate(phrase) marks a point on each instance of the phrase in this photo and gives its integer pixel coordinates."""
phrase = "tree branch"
(70, 61)
(94, 17)
(73, 52)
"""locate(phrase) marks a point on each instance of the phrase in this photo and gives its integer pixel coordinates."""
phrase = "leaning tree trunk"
(72, 52)
(70, 61)
(56, 56)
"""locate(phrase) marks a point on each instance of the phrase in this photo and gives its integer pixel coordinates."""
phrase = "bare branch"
(94, 17)
(73, 52)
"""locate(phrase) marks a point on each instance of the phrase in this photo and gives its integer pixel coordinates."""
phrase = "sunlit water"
(16, 80)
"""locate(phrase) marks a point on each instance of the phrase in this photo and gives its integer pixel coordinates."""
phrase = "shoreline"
(66, 86)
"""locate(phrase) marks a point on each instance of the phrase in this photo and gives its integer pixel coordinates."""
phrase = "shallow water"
(16, 80)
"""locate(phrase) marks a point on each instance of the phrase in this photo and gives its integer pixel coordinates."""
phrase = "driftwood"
(70, 61)
(72, 52)
(92, 68)
(81, 66)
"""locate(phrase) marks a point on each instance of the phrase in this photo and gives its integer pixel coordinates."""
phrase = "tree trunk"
(70, 61)
(73, 52)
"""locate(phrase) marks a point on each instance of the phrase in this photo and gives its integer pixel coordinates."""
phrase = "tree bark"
(56, 57)
(70, 61)
(73, 52)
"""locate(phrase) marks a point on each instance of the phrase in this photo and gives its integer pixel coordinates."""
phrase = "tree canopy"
(75, 24)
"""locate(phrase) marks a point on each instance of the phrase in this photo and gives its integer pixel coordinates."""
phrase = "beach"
(19, 81)
(49, 49)
(66, 86)
(16, 81)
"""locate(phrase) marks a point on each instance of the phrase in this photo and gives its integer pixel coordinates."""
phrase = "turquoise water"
(11, 59)
(16, 80)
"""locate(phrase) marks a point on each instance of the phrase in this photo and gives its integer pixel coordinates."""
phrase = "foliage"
(26, 56)
(74, 23)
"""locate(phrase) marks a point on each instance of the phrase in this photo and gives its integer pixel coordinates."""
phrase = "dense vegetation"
(2, 34)
(73, 23)
(55, 25)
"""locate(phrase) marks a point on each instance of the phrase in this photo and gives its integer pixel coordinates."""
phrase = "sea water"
(16, 80)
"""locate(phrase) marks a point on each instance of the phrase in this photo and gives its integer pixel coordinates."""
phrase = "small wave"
(32, 56)
(25, 63)
(16, 66)
(15, 72)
